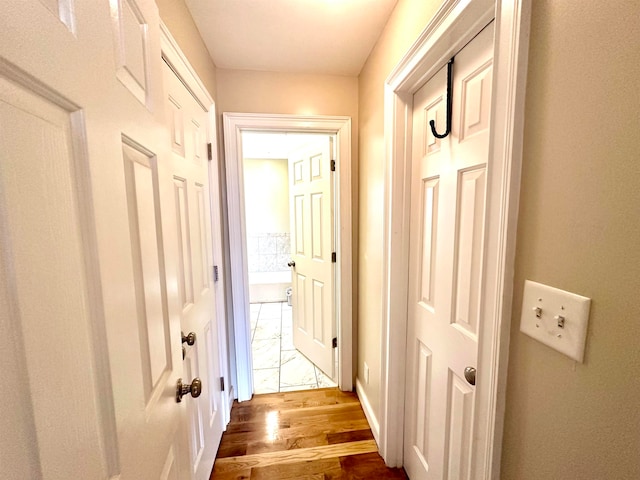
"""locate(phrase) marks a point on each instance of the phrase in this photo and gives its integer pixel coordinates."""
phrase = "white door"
(446, 259)
(187, 121)
(311, 213)
(90, 316)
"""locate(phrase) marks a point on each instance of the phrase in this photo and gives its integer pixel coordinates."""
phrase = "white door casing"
(188, 122)
(445, 264)
(453, 26)
(92, 329)
(234, 125)
(311, 214)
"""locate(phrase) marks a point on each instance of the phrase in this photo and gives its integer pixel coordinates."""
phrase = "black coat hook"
(432, 123)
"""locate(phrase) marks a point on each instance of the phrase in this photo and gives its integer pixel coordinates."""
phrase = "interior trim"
(234, 124)
(369, 412)
(455, 24)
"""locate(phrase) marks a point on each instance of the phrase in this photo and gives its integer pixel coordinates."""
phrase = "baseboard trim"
(368, 412)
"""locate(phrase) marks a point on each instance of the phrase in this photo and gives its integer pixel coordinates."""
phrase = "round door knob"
(291, 263)
(195, 389)
(189, 339)
(470, 375)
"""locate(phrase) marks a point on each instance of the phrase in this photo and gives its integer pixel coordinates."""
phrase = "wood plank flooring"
(319, 434)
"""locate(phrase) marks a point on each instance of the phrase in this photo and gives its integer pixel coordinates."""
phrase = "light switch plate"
(556, 318)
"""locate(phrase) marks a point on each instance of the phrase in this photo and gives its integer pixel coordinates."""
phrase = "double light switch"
(556, 318)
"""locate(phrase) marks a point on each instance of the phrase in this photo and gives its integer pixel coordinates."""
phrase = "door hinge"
(209, 151)
(334, 257)
(222, 384)
(333, 165)
(334, 342)
(216, 275)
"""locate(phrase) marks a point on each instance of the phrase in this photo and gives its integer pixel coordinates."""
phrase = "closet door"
(448, 211)
(187, 121)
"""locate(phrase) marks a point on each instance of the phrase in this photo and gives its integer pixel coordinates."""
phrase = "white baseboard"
(368, 411)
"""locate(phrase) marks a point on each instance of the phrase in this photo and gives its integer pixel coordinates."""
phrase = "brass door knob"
(189, 339)
(195, 389)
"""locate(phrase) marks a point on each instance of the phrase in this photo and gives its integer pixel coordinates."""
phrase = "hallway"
(277, 365)
(319, 434)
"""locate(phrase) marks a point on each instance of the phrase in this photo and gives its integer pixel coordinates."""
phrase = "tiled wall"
(268, 252)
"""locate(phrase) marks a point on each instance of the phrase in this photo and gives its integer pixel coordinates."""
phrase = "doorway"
(235, 125)
(280, 361)
(453, 26)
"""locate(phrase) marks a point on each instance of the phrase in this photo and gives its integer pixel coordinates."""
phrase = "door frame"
(234, 124)
(452, 27)
(177, 61)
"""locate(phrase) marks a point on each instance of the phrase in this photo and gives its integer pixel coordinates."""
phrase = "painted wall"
(291, 93)
(266, 193)
(178, 20)
(579, 230)
(242, 91)
(266, 207)
(405, 24)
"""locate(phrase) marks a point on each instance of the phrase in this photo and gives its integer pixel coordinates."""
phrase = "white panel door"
(90, 317)
(312, 278)
(446, 258)
(187, 122)
(45, 320)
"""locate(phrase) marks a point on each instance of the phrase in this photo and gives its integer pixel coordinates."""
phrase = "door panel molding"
(234, 124)
(43, 228)
(141, 178)
(32, 95)
(453, 26)
(131, 42)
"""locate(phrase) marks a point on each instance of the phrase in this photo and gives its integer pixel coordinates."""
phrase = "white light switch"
(556, 318)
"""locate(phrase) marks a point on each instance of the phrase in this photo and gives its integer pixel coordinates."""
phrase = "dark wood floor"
(311, 435)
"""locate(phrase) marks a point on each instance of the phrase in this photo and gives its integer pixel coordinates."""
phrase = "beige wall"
(407, 21)
(178, 20)
(242, 91)
(290, 93)
(266, 193)
(579, 230)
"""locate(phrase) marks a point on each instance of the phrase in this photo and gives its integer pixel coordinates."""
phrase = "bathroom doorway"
(235, 125)
(274, 217)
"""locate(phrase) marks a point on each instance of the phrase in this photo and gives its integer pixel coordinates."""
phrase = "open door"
(90, 314)
(312, 279)
(187, 121)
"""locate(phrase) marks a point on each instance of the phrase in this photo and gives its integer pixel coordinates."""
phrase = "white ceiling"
(302, 36)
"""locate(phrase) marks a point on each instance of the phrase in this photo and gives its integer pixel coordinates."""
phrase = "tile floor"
(277, 365)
